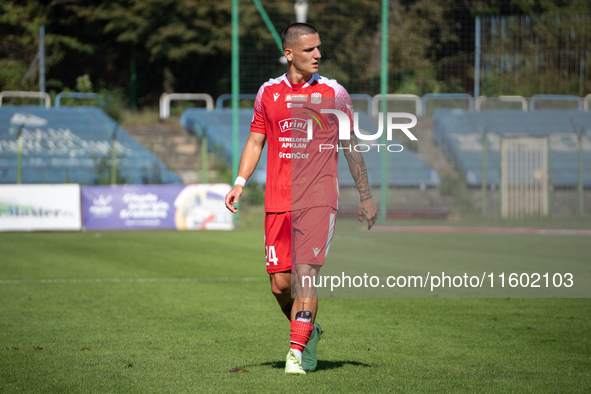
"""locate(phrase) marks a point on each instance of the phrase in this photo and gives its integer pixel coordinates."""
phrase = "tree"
(20, 21)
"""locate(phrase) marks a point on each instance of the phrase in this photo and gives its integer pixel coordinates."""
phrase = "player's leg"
(306, 296)
(301, 328)
(281, 289)
(313, 229)
(303, 314)
(278, 258)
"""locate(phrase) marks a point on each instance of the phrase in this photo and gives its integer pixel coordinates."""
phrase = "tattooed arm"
(367, 207)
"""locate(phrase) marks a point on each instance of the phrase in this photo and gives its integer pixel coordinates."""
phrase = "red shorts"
(298, 237)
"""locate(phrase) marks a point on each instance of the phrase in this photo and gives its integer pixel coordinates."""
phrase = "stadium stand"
(458, 133)
(65, 145)
(217, 126)
(405, 168)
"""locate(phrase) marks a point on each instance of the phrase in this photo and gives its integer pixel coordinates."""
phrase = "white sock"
(298, 354)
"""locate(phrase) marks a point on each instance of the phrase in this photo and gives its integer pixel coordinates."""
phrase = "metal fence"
(535, 54)
(446, 59)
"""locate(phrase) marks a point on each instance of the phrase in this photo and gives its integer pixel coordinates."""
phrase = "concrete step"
(429, 151)
(174, 145)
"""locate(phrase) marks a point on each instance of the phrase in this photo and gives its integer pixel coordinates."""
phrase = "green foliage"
(19, 39)
(103, 169)
(254, 194)
(223, 172)
(492, 86)
(421, 82)
(180, 41)
(11, 73)
(152, 176)
(177, 107)
(111, 102)
(221, 167)
(83, 84)
(552, 81)
(167, 30)
(351, 35)
(453, 185)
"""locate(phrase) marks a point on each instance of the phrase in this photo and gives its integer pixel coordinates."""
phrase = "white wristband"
(240, 181)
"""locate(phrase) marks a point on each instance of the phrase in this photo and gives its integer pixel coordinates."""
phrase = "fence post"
(114, 157)
(484, 166)
(42, 60)
(235, 92)
(19, 160)
(204, 160)
(477, 58)
(133, 79)
(581, 200)
(384, 90)
(550, 186)
(580, 185)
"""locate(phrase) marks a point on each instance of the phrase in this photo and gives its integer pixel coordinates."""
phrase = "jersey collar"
(310, 81)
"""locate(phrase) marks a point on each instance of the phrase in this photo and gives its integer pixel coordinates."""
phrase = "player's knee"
(280, 288)
(307, 270)
(280, 284)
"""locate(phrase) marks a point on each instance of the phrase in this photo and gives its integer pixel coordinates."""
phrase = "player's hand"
(232, 198)
(369, 211)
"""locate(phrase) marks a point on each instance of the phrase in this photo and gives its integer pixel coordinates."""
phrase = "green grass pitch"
(143, 312)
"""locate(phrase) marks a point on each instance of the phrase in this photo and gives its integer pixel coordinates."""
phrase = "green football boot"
(309, 360)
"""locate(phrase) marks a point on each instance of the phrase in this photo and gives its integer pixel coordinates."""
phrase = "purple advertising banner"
(148, 207)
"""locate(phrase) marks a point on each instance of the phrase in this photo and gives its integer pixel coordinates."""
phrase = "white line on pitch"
(131, 280)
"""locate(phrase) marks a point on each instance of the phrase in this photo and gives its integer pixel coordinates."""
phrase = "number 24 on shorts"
(270, 255)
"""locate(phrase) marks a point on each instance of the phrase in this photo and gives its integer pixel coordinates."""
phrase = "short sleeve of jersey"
(343, 102)
(258, 120)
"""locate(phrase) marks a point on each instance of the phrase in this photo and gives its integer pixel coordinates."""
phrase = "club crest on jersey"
(293, 124)
(296, 97)
(316, 98)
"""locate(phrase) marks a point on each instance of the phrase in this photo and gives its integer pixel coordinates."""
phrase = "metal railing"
(397, 97)
(219, 103)
(166, 98)
(554, 97)
(76, 95)
(447, 96)
(40, 95)
(479, 100)
(365, 97)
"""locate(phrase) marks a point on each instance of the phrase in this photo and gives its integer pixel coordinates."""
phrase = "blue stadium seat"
(217, 126)
(405, 168)
(64, 145)
(458, 134)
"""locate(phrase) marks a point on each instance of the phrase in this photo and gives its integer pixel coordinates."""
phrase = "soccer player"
(301, 193)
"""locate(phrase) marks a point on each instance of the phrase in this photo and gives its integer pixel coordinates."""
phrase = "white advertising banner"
(40, 207)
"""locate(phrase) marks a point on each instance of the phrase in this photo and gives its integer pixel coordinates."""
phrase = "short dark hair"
(293, 31)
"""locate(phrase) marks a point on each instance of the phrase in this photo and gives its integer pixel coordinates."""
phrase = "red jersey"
(299, 173)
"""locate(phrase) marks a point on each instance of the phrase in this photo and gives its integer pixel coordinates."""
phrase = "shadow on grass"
(322, 365)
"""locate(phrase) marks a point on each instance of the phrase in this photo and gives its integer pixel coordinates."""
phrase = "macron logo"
(316, 251)
(275, 96)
